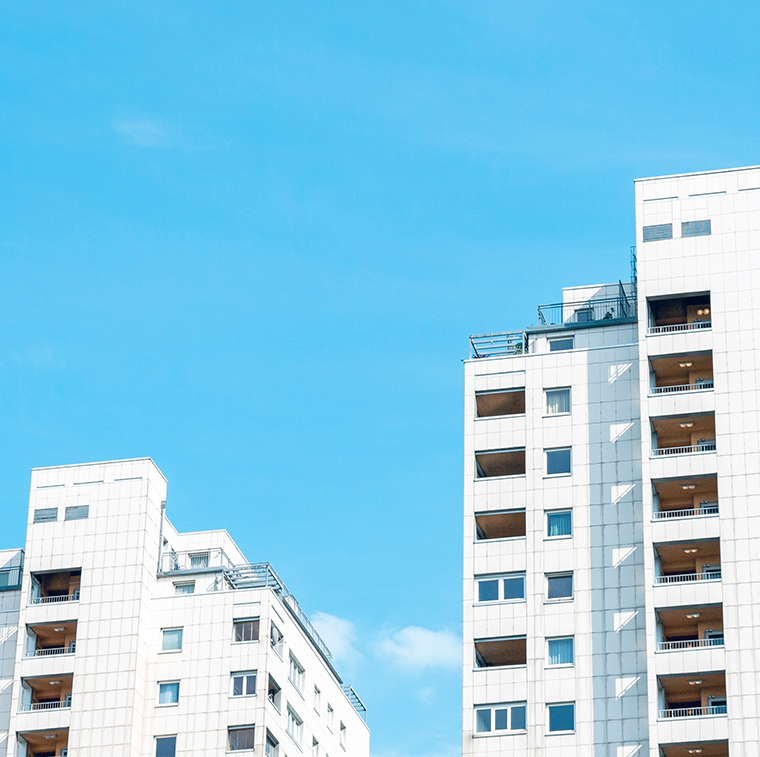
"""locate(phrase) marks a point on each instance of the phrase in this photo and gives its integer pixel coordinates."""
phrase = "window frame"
(245, 675)
(180, 585)
(237, 728)
(560, 574)
(241, 621)
(279, 645)
(557, 339)
(342, 734)
(549, 707)
(317, 699)
(558, 511)
(563, 413)
(296, 733)
(549, 664)
(330, 718)
(563, 474)
(491, 708)
(172, 682)
(163, 637)
(296, 673)
(500, 578)
(165, 738)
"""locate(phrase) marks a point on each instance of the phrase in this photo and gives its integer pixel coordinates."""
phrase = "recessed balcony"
(693, 696)
(46, 693)
(688, 562)
(676, 314)
(52, 743)
(56, 586)
(51, 639)
(683, 435)
(700, 748)
(685, 498)
(677, 374)
(690, 628)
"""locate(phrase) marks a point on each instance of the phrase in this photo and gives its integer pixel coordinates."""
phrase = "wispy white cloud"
(339, 635)
(144, 132)
(415, 648)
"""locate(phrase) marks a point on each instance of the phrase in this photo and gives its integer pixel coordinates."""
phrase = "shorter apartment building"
(121, 636)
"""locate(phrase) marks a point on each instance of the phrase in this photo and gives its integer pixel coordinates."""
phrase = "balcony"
(603, 311)
(54, 587)
(209, 560)
(495, 463)
(48, 743)
(688, 562)
(678, 374)
(696, 696)
(697, 627)
(701, 748)
(683, 435)
(504, 344)
(51, 639)
(46, 693)
(678, 314)
(509, 524)
(685, 498)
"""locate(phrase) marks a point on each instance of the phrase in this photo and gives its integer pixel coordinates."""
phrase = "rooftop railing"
(676, 327)
(669, 646)
(699, 386)
(498, 345)
(693, 712)
(705, 508)
(357, 703)
(704, 445)
(59, 704)
(683, 578)
(195, 560)
(587, 312)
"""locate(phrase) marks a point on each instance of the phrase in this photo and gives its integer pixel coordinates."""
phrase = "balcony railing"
(353, 698)
(586, 312)
(684, 578)
(198, 560)
(705, 508)
(693, 712)
(693, 326)
(498, 345)
(59, 704)
(698, 386)
(50, 651)
(73, 597)
(669, 646)
(704, 445)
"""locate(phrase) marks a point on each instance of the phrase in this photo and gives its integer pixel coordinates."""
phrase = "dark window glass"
(514, 587)
(483, 721)
(658, 232)
(696, 229)
(488, 591)
(557, 461)
(45, 514)
(556, 345)
(77, 512)
(561, 717)
(500, 720)
(247, 630)
(560, 587)
(166, 746)
(518, 717)
(241, 738)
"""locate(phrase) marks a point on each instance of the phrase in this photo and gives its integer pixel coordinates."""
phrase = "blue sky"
(250, 240)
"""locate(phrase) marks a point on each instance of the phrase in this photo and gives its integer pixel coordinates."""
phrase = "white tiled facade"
(121, 636)
(636, 630)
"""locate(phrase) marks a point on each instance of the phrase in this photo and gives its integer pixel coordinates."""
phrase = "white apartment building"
(612, 513)
(120, 636)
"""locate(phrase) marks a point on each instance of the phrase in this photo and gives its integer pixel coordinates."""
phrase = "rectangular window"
(314, 747)
(272, 746)
(559, 586)
(658, 232)
(558, 461)
(246, 630)
(168, 693)
(504, 402)
(561, 717)
(276, 639)
(696, 229)
(330, 716)
(495, 588)
(45, 514)
(560, 651)
(171, 639)
(296, 674)
(199, 560)
(166, 746)
(557, 401)
(342, 735)
(558, 345)
(274, 693)
(186, 587)
(559, 523)
(500, 717)
(295, 726)
(317, 699)
(244, 684)
(240, 738)
(77, 512)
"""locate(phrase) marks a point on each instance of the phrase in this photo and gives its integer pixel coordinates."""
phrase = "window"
(495, 588)
(314, 747)
(330, 716)
(559, 523)
(244, 684)
(504, 525)
(240, 737)
(168, 693)
(557, 401)
(342, 734)
(272, 746)
(696, 229)
(295, 726)
(77, 512)
(658, 232)
(166, 746)
(199, 560)
(246, 630)
(317, 699)
(557, 345)
(560, 651)
(493, 653)
(296, 674)
(171, 639)
(186, 587)
(501, 717)
(561, 717)
(558, 461)
(559, 586)
(509, 402)
(274, 693)
(508, 462)
(45, 514)
(276, 639)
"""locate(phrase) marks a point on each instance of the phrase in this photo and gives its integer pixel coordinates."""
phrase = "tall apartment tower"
(120, 636)
(612, 471)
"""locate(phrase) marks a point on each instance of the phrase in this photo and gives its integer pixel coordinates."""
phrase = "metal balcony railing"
(357, 703)
(693, 326)
(50, 651)
(73, 597)
(693, 712)
(698, 386)
(705, 508)
(195, 561)
(594, 311)
(57, 705)
(669, 646)
(704, 445)
(498, 345)
(683, 578)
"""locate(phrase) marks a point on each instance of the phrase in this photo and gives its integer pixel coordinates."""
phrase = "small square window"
(246, 630)
(166, 746)
(558, 345)
(488, 590)
(560, 586)
(514, 587)
(240, 738)
(186, 587)
(558, 461)
(244, 684)
(168, 693)
(559, 523)
(171, 639)
(199, 560)
(561, 717)
(557, 401)
(560, 651)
